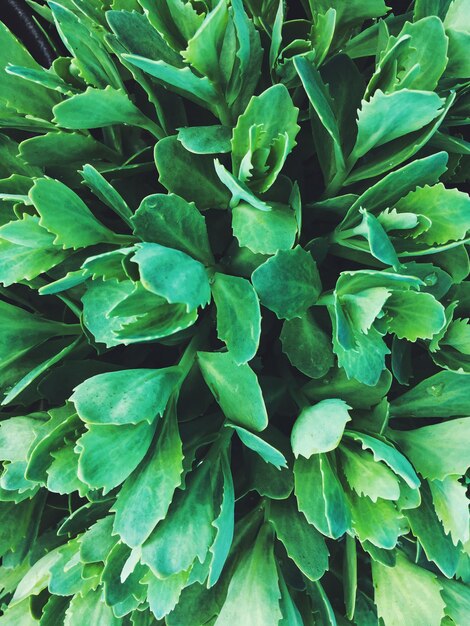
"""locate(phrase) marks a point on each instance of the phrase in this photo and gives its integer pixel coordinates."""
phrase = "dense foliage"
(234, 316)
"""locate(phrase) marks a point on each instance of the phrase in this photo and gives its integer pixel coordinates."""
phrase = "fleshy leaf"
(173, 275)
(288, 283)
(240, 332)
(171, 221)
(125, 397)
(319, 428)
(253, 595)
(303, 543)
(228, 382)
(46, 195)
(407, 595)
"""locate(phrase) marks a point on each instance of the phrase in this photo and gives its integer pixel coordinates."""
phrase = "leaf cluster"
(234, 304)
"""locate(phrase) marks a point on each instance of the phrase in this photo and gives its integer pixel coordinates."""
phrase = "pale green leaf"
(303, 543)
(320, 495)
(145, 497)
(451, 503)
(46, 195)
(173, 275)
(439, 450)
(125, 397)
(319, 428)
(449, 225)
(307, 346)
(288, 283)
(229, 382)
(407, 595)
(381, 119)
(253, 594)
(122, 446)
(264, 449)
(238, 316)
(367, 477)
(414, 315)
(264, 232)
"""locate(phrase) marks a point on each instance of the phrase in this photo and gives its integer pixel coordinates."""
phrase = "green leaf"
(101, 107)
(163, 593)
(125, 397)
(97, 542)
(98, 301)
(205, 139)
(62, 473)
(171, 221)
(441, 395)
(263, 137)
(439, 450)
(253, 595)
(264, 449)
(407, 595)
(20, 95)
(290, 612)
(367, 477)
(92, 60)
(350, 577)
(319, 428)
(414, 315)
(187, 532)
(228, 382)
(37, 577)
(320, 495)
(162, 320)
(427, 528)
(26, 250)
(145, 497)
(205, 47)
(238, 189)
(136, 33)
(288, 283)
(122, 591)
(321, 102)
(380, 120)
(224, 524)
(358, 395)
(355, 12)
(173, 275)
(90, 607)
(58, 148)
(181, 80)
(122, 446)
(450, 500)
(394, 186)
(176, 20)
(190, 176)
(307, 346)
(449, 226)
(366, 361)
(376, 522)
(106, 192)
(379, 243)
(303, 543)
(240, 332)
(457, 599)
(16, 436)
(428, 48)
(389, 455)
(63, 422)
(264, 232)
(46, 194)
(23, 383)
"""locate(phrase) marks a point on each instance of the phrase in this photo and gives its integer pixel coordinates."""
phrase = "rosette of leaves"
(234, 306)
